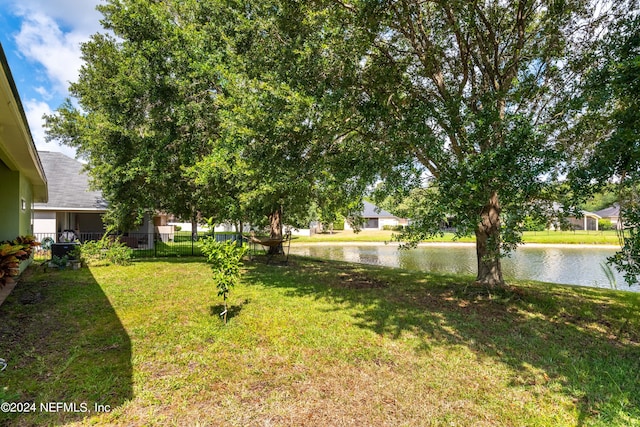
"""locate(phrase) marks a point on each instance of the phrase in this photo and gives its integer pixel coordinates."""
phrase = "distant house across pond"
(588, 221)
(376, 218)
(612, 213)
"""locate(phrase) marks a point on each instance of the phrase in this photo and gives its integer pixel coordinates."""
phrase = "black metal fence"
(143, 245)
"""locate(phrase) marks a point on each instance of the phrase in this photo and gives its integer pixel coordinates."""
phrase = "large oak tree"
(471, 91)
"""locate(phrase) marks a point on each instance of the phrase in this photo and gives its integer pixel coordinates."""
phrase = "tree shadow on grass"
(64, 344)
(581, 340)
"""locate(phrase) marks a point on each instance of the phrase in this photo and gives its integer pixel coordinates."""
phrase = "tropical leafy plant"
(9, 261)
(28, 244)
(12, 253)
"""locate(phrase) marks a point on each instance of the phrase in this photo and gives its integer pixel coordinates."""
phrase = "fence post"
(155, 245)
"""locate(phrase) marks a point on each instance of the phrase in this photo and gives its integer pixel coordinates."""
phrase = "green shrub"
(338, 225)
(605, 224)
(60, 262)
(393, 227)
(103, 252)
(534, 224)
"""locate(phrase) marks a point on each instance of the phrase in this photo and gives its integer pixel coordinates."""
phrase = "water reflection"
(568, 265)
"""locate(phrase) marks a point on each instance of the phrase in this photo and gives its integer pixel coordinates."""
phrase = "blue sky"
(41, 39)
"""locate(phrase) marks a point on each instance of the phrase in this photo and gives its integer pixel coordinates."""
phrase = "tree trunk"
(194, 228)
(275, 225)
(239, 230)
(488, 244)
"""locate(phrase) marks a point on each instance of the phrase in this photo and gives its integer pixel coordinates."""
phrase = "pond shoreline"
(570, 264)
(460, 244)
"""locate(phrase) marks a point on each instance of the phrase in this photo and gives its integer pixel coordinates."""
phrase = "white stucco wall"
(387, 221)
(44, 222)
(382, 221)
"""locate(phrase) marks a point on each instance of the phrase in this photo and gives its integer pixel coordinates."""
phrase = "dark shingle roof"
(68, 185)
(611, 211)
(372, 211)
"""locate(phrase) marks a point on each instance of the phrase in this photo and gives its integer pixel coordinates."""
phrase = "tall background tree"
(277, 120)
(607, 111)
(145, 110)
(196, 108)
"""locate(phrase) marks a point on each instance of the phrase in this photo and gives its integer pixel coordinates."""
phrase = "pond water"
(556, 264)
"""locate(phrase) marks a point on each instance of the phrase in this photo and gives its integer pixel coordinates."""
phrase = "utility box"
(62, 249)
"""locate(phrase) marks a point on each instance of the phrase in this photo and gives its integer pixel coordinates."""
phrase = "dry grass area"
(317, 343)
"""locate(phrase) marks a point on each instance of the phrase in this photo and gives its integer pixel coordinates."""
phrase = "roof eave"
(68, 209)
(17, 149)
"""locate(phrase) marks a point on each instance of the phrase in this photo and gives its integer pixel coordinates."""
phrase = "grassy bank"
(545, 237)
(316, 343)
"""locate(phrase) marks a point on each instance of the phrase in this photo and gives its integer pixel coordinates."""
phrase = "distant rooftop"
(372, 211)
(68, 185)
(611, 211)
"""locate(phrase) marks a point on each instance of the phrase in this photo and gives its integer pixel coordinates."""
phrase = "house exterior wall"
(391, 222)
(221, 228)
(56, 221)
(44, 222)
(615, 220)
(9, 203)
(377, 223)
(63, 221)
(16, 195)
(25, 206)
(146, 227)
(22, 178)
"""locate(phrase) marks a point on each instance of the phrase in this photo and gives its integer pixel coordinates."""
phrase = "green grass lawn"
(316, 343)
(552, 237)
(572, 237)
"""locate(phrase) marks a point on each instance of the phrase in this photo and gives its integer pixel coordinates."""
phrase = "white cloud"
(41, 40)
(51, 32)
(49, 37)
(43, 92)
(78, 16)
(35, 110)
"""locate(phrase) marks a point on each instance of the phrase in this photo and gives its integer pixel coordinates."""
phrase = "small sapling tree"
(225, 259)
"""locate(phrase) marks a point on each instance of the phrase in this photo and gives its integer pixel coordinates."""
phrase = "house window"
(23, 205)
